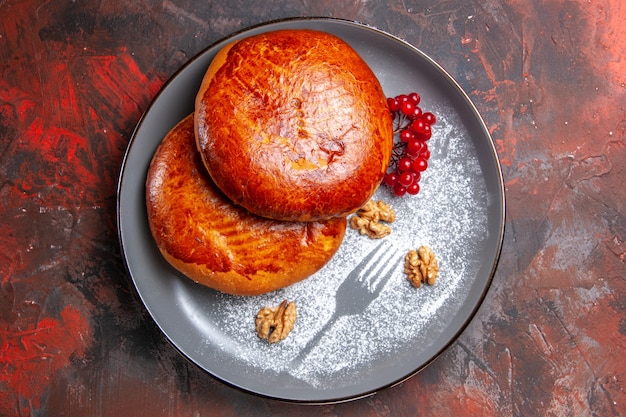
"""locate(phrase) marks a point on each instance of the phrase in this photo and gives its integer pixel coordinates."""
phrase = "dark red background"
(549, 77)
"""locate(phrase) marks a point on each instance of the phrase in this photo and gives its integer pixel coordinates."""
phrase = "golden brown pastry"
(293, 125)
(221, 245)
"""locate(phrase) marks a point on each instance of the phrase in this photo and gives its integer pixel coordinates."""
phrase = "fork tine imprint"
(370, 259)
(379, 267)
(357, 291)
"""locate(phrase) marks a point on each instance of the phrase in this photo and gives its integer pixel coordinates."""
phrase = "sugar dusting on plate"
(449, 215)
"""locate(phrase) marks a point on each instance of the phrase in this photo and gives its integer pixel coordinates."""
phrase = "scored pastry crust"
(217, 243)
(293, 125)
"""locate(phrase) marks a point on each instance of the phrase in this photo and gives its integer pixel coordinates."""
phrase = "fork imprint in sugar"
(375, 270)
(359, 289)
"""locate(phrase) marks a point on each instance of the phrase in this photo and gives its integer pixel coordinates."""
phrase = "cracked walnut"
(274, 323)
(421, 266)
(367, 219)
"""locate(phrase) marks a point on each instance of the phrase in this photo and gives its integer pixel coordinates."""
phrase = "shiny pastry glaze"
(293, 125)
(219, 244)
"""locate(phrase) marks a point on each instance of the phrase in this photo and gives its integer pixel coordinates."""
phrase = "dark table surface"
(549, 79)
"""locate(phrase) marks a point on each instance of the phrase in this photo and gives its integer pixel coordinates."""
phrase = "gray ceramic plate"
(459, 213)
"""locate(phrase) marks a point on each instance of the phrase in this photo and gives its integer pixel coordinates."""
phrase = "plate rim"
(493, 157)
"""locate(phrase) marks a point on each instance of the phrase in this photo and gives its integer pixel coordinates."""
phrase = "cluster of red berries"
(412, 129)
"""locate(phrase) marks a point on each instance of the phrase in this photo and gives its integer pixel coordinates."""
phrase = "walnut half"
(367, 219)
(421, 266)
(274, 323)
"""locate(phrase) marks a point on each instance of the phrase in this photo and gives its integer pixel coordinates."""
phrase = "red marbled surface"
(549, 77)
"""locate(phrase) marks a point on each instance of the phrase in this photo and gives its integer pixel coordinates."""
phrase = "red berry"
(407, 108)
(415, 98)
(394, 104)
(426, 132)
(405, 164)
(417, 113)
(413, 188)
(417, 126)
(416, 176)
(406, 135)
(429, 118)
(425, 154)
(420, 164)
(399, 190)
(391, 179)
(405, 179)
(421, 129)
(414, 147)
(402, 98)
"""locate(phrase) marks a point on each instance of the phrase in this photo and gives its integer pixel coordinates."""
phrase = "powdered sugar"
(449, 215)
